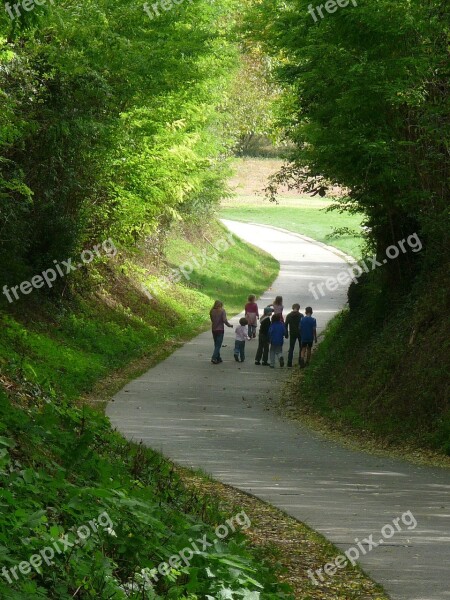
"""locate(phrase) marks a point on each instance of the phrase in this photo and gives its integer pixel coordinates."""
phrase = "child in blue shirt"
(308, 333)
(276, 338)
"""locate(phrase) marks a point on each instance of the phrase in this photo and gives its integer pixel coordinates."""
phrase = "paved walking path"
(218, 417)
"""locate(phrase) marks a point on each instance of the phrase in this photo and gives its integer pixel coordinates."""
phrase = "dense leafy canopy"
(110, 123)
(366, 105)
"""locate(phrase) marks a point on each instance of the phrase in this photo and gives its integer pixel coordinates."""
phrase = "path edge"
(349, 259)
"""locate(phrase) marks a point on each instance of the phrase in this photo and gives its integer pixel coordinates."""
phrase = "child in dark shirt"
(292, 325)
(263, 338)
(308, 332)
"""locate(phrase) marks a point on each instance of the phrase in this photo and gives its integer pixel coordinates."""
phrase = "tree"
(366, 105)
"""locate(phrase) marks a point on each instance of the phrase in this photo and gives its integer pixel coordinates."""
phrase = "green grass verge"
(305, 216)
(110, 322)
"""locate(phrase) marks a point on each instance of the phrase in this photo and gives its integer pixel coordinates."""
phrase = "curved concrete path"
(219, 418)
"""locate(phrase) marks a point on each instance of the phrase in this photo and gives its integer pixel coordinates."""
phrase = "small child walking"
(308, 334)
(276, 338)
(252, 315)
(241, 337)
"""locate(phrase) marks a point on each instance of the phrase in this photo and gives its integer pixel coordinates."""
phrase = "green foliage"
(366, 106)
(62, 467)
(108, 124)
(397, 354)
(250, 103)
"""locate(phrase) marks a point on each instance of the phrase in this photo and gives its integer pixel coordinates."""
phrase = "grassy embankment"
(397, 397)
(61, 465)
(108, 323)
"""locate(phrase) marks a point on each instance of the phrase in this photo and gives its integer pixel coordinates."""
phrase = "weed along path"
(392, 516)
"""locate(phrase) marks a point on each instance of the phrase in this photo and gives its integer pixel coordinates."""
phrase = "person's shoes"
(214, 361)
(242, 359)
(236, 358)
(289, 365)
(257, 362)
(281, 361)
(219, 360)
(266, 364)
(302, 363)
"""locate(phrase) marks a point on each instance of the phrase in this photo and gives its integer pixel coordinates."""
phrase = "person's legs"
(236, 350)
(280, 355)
(299, 349)
(308, 354)
(259, 352)
(218, 339)
(272, 355)
(302, 354)
(265, 359)
(292, 340)
(242, 351)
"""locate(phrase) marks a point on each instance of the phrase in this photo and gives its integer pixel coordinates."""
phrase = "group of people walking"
(273, 330)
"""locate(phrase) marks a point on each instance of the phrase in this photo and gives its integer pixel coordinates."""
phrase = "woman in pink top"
(278, 307)
(219, 319)
(252, 315)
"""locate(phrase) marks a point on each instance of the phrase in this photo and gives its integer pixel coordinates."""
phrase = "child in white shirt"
(241, 336)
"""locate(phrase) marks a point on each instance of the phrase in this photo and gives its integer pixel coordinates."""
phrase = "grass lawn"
(300, 214)
(304, 215)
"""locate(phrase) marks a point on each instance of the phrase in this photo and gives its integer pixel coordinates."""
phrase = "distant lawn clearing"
(304, 215)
